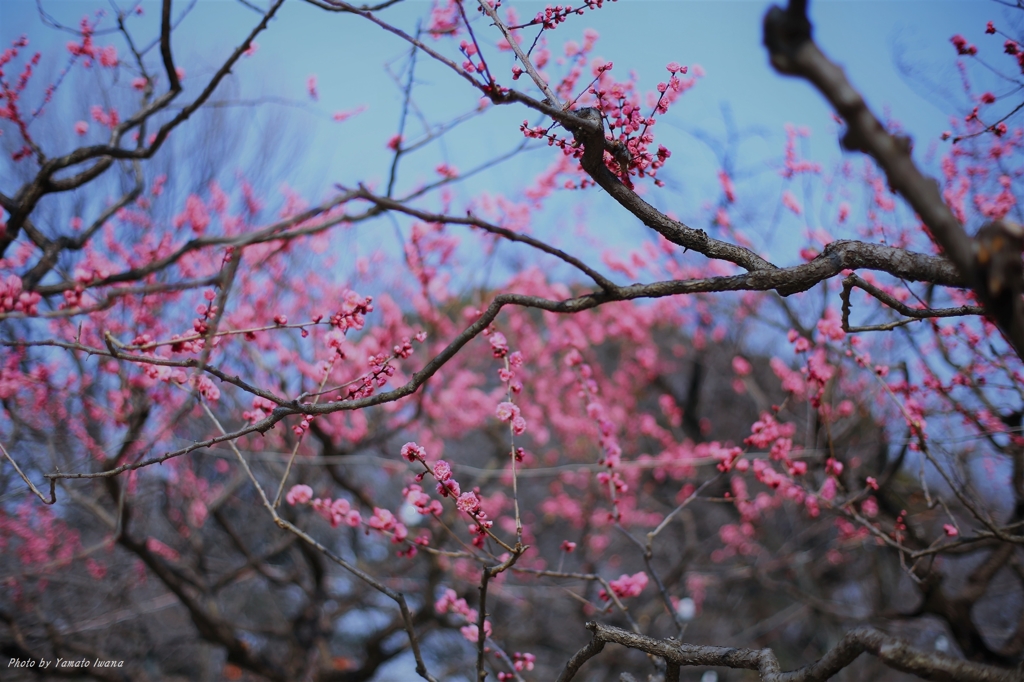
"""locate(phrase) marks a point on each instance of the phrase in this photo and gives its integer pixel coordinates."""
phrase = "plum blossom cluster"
(727, 457)
(384, 521)
(337, 512)
(87, 49)
(422, 502)
(261, 409)
(172, 375)
(629, 129)
(340, 511)
(11, 94)
(303, 424)
(499, 344)
(445, 18)
(552, 16)
(612, 454)
(469, 50)
(40, 537)
(194, 493)
(793, 164)
(611, 451)
(468, 502)
(381, 368)
(429, 246)
(578, 56)
(451, 602)
(207, 388)
(1012, 48)
(84, 50)
(625, 586)
(200, 325)
(737, 539)
(619, 103)
(963, 47)
(768, 434)
(568, 149)
(13, 299)
(520, 662)
(380, 371)
(998, 205)
(108, 118)
(508, 411)
(353, 312)
(195, 213)
(811, 380)
(508, 374)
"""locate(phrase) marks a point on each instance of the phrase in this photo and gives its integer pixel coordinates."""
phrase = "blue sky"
(347, 55)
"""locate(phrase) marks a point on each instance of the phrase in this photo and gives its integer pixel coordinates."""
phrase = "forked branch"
(893, 652)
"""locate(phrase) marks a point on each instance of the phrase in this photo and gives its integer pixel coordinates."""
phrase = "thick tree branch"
(894, 652)
(592, 137)
(787, 35)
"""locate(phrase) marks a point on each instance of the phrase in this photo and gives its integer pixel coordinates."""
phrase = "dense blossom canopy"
(235, 445)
